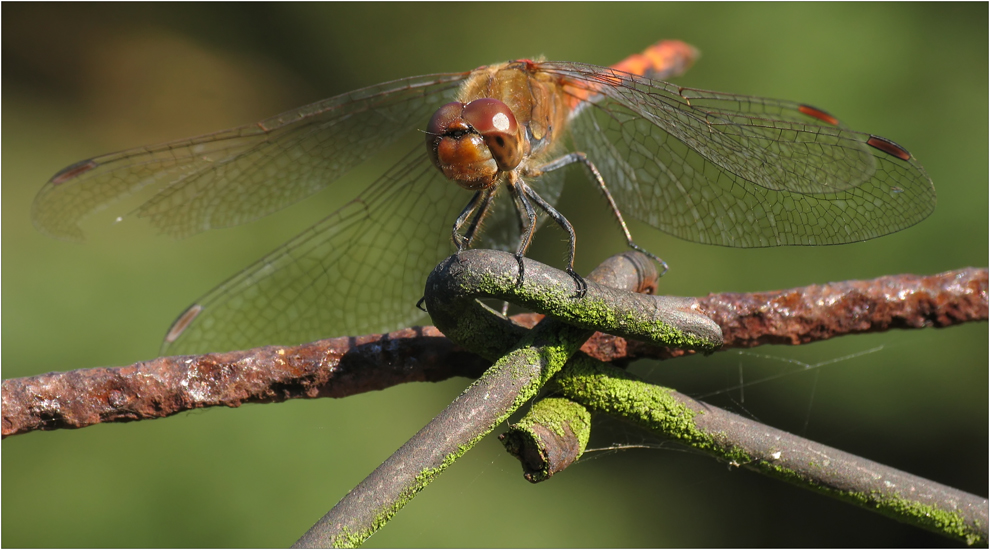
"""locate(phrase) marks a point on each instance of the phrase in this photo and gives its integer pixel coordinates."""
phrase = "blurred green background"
(81, 80)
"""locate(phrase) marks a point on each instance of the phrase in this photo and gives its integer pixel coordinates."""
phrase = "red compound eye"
(458, 150)
(442, 119)
(495, 122)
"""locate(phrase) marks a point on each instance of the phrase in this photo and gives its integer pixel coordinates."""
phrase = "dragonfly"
(708, 167)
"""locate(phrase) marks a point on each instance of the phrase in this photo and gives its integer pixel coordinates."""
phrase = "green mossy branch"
(523, 366)
(743, 442)
(526, 360)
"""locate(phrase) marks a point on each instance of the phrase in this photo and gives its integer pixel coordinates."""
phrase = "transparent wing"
(361, 270)
(238, 175)
(740, 171)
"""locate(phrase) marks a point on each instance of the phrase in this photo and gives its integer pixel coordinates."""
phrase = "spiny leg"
(527, 192)
(572, 158)
(483, 209)
(527, 220)
(479, 203)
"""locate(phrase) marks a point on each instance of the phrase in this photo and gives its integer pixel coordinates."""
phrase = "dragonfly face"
(703, 166)
(472, 142)
(481, 140)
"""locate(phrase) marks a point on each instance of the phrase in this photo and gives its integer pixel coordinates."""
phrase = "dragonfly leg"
(528, 193)
(576, 157)
(527, 220)
(483, 210)
(478, 205)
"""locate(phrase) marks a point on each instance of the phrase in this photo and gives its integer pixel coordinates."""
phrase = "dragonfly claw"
(522, 269)
(582, 285)
(663, 265)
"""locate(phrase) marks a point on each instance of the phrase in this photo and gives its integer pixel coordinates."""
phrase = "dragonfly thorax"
(471, 143)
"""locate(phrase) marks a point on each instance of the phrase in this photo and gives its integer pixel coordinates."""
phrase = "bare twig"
(339, 367)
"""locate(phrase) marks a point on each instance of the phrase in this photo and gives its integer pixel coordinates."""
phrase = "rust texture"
(819, 312)
(541, 451)
(339, 367)
(335, 367)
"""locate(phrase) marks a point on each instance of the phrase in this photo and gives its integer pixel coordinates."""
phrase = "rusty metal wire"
(339, 367)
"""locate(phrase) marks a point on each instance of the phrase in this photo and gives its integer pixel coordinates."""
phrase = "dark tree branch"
(339, 367)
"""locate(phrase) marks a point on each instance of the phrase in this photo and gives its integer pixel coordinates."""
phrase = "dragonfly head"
(472, 142)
